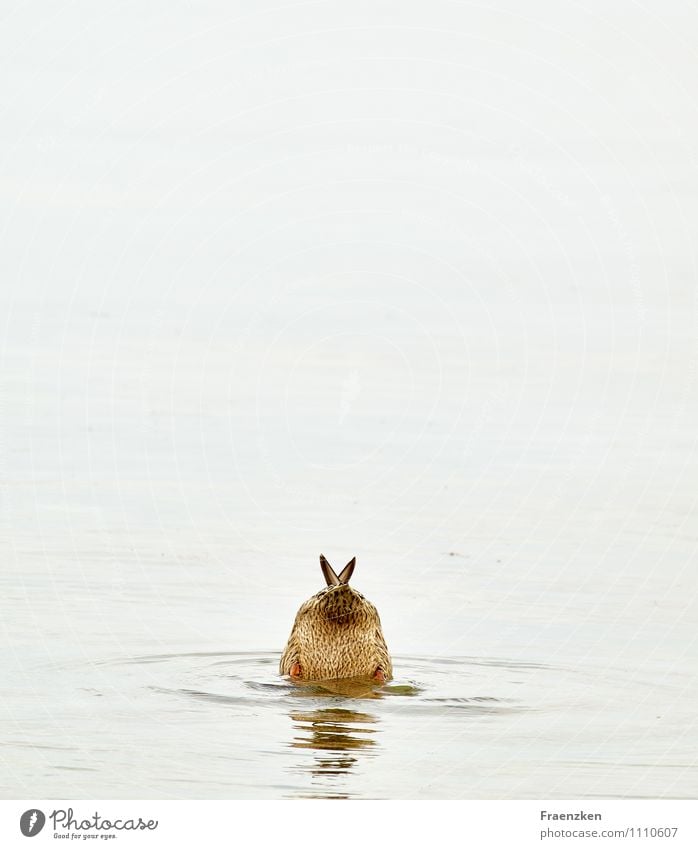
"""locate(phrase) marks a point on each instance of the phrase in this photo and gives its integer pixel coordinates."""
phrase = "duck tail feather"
(329, 573)
(346, 573)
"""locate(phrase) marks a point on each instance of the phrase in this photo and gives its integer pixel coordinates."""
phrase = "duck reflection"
(337, 737)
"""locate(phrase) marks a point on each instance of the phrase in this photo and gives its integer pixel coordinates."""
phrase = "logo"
(31, 822)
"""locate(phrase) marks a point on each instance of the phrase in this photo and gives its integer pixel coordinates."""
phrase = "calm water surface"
(210, 725)
(283, 279)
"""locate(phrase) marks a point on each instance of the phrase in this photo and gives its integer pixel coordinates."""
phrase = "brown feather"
(337, 634)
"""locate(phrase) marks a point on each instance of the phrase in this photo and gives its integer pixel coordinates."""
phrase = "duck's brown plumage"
(336, 634)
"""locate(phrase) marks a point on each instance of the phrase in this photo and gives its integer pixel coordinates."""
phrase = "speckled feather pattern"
(337, 634)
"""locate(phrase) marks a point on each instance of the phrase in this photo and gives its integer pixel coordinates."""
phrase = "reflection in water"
(354, 688)
(338, 737)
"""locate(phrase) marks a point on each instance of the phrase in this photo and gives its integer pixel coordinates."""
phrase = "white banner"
(152, 824)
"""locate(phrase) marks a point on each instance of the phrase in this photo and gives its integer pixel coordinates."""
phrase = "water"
(420, 293)
(211, 725)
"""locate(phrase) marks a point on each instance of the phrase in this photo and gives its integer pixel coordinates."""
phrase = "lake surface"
(302, 279)
(211, 725)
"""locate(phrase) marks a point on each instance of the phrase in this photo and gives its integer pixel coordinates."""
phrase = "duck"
(336, 634)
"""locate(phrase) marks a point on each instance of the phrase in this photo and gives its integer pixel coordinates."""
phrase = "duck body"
(337, 633)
